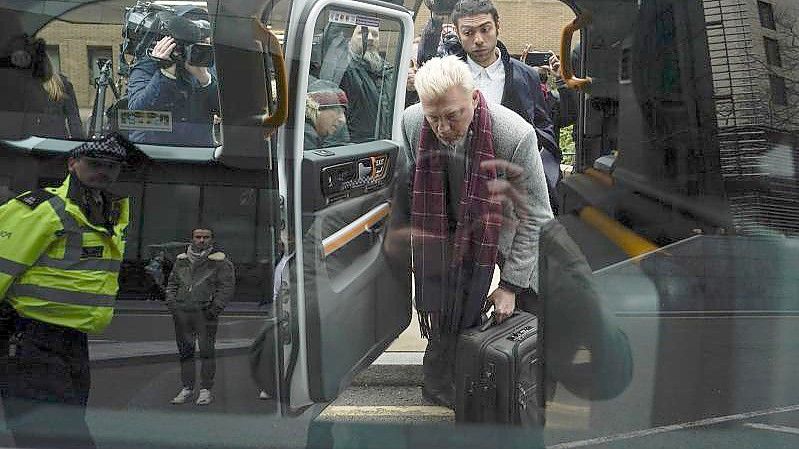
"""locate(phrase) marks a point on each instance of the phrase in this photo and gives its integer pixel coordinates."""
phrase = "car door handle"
(271, 44)
(364, 223)
(566, 72)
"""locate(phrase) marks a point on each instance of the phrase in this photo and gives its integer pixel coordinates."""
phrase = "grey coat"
(206, 285)
(514, 141)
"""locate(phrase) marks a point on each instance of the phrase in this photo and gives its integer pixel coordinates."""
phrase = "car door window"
(352, 79)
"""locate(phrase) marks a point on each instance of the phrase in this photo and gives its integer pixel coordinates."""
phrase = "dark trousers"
(190, 326)
(438, 363)
(47, 385)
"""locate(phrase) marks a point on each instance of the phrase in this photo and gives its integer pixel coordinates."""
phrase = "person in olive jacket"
(200, 285)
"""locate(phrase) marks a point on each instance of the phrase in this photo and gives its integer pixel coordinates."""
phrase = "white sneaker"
(205, 397)
(183, 396)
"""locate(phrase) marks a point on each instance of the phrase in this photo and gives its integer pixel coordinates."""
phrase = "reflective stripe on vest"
(74, 245)
(84, 264)
(11, 268)
(63, 296)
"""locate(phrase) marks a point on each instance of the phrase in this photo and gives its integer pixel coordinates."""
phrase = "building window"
(98, 56)
(766, 15)
(772, 52)
(54, 55)
(778, 92)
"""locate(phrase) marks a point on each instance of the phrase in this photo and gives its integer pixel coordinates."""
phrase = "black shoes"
(444, 397)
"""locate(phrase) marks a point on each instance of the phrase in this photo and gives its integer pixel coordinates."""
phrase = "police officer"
(60, 253)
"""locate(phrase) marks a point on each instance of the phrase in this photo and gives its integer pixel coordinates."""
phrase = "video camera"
(146, 23)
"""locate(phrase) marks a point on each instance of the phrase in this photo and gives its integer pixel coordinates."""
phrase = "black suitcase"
(499, 373)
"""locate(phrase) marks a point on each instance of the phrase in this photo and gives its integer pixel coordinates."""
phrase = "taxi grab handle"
(271, 44)
(566, 70)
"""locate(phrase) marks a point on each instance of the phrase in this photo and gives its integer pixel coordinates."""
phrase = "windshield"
(517, 224)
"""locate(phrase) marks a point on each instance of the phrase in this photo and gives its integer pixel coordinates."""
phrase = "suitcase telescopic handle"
(488, 320)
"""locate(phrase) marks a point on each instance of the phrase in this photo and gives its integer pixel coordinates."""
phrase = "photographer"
(172, 78)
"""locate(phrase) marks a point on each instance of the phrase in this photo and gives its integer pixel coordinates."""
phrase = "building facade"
(75, 49)
(754, 59)
(772, 28)
(775, 51)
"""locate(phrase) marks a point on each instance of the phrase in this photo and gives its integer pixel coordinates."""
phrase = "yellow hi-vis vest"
(55, 266)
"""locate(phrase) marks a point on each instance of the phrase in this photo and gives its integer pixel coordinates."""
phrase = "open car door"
(347, 63)
(343, 304)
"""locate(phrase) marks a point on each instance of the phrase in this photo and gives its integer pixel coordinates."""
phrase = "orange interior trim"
(602, 178)
(566, 71)
(348, 233)
(272, 45)
(630, 242)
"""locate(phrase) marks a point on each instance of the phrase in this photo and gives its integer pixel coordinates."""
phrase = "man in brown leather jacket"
(200, 285)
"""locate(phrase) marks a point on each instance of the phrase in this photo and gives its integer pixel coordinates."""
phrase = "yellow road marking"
(568, 408)
(349, 411)
(341, 411)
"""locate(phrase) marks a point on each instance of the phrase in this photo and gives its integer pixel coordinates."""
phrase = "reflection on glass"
(52, 107)
(361, 62)
(325, 116)
(686, 143)
(167, 97)
(172, 87)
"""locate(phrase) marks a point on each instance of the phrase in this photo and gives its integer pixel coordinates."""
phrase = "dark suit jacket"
(522, 94)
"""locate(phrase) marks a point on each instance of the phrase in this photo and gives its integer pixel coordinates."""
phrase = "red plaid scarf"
(443, 283)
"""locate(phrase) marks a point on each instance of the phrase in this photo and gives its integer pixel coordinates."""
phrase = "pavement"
(390, 390)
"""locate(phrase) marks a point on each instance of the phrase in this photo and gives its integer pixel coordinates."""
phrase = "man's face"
(450, 114)
(478, 35)
(329, 120)
(94, 172)
(202, 238)
(372, 39)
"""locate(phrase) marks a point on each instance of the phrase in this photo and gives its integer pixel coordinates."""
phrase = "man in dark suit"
(502, 79)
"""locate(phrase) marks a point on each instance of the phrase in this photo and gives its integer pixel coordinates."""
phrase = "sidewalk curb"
(168, 353)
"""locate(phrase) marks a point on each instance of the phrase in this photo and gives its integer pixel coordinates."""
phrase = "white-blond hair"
(439, 75)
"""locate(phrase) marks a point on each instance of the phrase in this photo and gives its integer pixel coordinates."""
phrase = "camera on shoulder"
(197, 54)
(147, 23)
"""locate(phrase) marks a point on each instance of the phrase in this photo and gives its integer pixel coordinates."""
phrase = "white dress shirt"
(490, 80)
